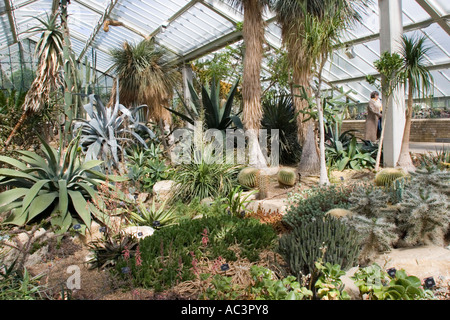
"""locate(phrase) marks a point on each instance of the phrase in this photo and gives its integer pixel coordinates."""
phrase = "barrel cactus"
(248, 177)
(286, 177)
(387, 176)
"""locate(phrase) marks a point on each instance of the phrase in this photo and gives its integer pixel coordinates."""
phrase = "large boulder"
(422, 262)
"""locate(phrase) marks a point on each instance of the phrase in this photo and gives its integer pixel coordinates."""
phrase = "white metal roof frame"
(190, 29)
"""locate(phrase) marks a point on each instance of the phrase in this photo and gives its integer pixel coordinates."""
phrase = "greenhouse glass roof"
(190, 29)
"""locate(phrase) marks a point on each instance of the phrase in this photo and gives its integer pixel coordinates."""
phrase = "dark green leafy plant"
(304, 246)
(216, 115)
(168, 255)
(236, 201)
(108, 249)
(344, 152)
(57, 184)
(279, 113)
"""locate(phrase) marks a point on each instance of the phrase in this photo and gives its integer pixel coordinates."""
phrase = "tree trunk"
(323, 180)
(309, 161)
(253, 34)
(405, 161)
(15, 129)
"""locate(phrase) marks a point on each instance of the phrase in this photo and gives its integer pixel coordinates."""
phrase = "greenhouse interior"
(224, 150)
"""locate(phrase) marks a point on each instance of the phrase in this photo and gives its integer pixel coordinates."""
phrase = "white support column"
(391, 30)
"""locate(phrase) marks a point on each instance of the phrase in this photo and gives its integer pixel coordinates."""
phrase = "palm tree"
(291, 17)
(145, 78)
(253, 34)
(49, 51)
(419, 80)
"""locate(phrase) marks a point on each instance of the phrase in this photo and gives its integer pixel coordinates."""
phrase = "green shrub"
(168, 255)
(315, 202)
(304, 246)
(19, 285)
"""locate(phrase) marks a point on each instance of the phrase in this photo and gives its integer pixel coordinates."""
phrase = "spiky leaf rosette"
(368, 201)
(424, 215)
(56, 184)
(378, 235)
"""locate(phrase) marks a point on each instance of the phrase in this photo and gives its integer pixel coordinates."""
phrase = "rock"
(350, 287)
(207, 201)
(422, 262)
(339, 213)
(139, 232)
(142, 197)
(38, 257)
(273, 205)
(163, 189)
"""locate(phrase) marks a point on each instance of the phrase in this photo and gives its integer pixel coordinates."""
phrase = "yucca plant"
(217, 116)
(108, 130)
(50, 59)
(153, 216)
(58, 185)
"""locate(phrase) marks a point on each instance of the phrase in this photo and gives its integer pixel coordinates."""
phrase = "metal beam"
(435, 15)
(12, 22)
(410, 27)
(97, 28)
(173, 18)
(219, 12)
(439, 66)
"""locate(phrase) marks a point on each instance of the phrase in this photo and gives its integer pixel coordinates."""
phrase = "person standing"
(373, 115)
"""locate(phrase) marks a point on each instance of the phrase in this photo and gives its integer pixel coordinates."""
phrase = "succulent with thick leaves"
(286, 177)
(247, 177)
(152, 216)
(58, 184)
(301, 248)
(217, 116)
(387, 176)
(108, 130)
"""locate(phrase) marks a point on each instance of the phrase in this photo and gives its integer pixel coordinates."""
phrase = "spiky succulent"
(248, 177)
(56, 184)
(368, 200)
(287, 177)
(387, 176)
(108, 130)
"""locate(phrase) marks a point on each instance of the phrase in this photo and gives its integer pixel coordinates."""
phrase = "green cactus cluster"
(286, 177)
(302, 247)
(386, 177)
(248, 177)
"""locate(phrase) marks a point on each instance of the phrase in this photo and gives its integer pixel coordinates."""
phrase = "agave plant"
(217, 116)
(57, 184)
(152, 216)
(108, 130)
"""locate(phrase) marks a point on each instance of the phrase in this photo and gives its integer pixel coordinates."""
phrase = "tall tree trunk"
(405, 161)
(309, 161)
(323, 180)
(253, 33)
